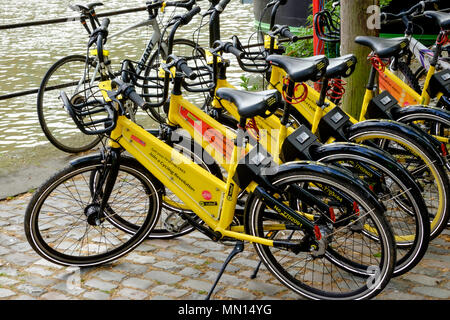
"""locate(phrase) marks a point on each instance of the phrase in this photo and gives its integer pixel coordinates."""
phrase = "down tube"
(196, 187)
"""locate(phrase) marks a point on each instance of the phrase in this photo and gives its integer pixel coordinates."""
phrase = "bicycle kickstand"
(238, 248)
(253, 276)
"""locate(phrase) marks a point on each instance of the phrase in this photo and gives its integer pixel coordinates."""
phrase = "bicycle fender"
(404, 112)
(85, 159)
(420, 137)
(313, 168)
(375, 155)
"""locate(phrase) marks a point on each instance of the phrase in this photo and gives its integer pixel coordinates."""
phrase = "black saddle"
(442, 18)
(301, 69)
(252, 104)
(384, 48)
(341, 67)
(85, 8)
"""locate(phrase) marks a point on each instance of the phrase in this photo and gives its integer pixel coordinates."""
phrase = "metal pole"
(62, 20)
(318, 44)
(214, 26)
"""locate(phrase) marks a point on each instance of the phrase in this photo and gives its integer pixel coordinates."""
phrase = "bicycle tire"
(342, 273)
(409, 222)
(431, 124)
(433, 179)
(56, 219)
(406, 211)
(56, 124)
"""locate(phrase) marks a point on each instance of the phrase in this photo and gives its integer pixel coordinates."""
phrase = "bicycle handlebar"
(188, 4)
(419, 7)
(217, 9)
(105, 24)
(186, 18)
(283, 31)
(100, 35)
(228, 47)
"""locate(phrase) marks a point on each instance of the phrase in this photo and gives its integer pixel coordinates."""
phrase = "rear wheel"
(351, 264)
(406, 211)
(423, 166)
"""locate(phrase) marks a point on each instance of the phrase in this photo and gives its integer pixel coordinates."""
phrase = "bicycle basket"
(153, 83)
(197, 60)
(254, 58)
(92, 115)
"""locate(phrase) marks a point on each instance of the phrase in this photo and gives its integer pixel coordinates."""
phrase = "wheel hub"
(93, 214)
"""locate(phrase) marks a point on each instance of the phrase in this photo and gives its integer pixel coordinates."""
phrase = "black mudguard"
(412, 133)
(378, 156)
(314, 168)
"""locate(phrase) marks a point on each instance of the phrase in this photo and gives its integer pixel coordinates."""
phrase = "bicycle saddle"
(251, 104)
(341, 67)
(301, 69)
(85, 8)
(384, 48)
(442, 18)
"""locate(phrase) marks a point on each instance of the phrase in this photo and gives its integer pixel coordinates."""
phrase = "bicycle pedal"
(174, 222)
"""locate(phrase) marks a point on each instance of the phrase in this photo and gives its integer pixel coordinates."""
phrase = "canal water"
(27, 53)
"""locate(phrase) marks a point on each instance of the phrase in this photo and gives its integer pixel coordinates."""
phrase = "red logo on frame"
(206, 195)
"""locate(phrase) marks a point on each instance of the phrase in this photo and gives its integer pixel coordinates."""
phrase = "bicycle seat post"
(290, 91)
(323, 93)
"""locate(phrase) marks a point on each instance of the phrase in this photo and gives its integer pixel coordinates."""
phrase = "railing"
(215, 34)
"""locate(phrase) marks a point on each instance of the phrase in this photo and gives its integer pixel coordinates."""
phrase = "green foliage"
(385, 2)
(248, 84)
(305, 48)
(301, 48)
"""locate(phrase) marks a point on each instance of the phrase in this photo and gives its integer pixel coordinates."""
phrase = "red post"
(318, 44)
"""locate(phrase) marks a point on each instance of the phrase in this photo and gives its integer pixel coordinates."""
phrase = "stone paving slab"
(157, 271)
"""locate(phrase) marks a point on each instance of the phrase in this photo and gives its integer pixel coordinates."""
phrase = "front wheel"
(351, 265)
(67, 74)
(65, 226)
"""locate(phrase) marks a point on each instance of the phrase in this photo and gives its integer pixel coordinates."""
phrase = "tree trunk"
(357, 18)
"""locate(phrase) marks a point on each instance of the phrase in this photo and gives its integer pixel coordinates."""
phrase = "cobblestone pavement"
(183, 268)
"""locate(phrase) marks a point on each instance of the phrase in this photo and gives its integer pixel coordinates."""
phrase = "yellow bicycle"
(344, 252)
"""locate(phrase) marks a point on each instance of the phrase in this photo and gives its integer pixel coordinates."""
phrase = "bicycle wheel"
(406, 210)
(423, 165)
(58, 224)
(67, 74)
(433, 125)
(352, 266)
(195, 57)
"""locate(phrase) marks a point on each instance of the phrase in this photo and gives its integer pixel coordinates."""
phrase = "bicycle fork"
(101, 184)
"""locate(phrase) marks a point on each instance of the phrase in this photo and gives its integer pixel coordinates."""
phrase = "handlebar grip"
(222, 5)
(288, 34)
(135, 97)
(187, 71)
(185, 19)
(105, 23)
(233, 50)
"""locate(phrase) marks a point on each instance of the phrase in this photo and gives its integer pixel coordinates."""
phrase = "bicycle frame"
(402, 91)
(212, 199)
